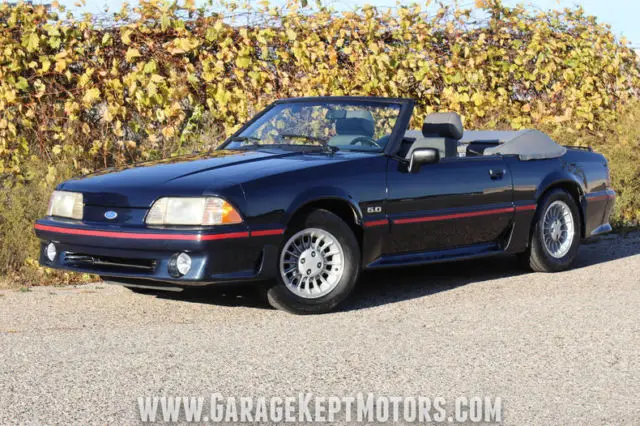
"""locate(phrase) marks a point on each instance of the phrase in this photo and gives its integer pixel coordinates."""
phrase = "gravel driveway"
(561, 348)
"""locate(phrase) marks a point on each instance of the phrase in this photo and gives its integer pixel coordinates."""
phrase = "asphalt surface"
(557, 348)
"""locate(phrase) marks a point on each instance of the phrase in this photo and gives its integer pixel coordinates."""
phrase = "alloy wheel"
(312, 263)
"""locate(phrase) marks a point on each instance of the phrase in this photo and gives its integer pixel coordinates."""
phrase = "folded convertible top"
(527, 144)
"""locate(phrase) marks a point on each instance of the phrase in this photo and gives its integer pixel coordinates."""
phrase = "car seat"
(355, 124)
(440, 130)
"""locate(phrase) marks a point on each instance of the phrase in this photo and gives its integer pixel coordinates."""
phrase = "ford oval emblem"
(110, 215)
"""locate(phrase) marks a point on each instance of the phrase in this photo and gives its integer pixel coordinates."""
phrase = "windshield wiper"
(307, 137)
(330, 148)
(323, 142)
(250, 140)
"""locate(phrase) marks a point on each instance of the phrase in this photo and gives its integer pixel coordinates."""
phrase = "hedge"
(166, 78)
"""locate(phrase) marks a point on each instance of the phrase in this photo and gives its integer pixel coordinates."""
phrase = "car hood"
(203, 174)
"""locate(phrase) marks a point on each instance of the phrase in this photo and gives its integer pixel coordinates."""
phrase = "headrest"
(356, 123)
(444, 125)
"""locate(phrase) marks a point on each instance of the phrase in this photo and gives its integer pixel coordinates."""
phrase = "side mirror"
(422, 156)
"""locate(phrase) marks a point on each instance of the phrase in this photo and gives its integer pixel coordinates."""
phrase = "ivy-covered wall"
(163, 78)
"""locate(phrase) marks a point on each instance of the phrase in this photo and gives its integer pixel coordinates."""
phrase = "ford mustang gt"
(312, 191)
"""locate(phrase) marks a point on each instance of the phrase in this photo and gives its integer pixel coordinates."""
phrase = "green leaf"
(150, 67)
(31, 42)
(22, 83)
(243, 61)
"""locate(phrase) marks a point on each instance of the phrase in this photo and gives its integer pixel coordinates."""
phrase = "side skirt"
(449, 255)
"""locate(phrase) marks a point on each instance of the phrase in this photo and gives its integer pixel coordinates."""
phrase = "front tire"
(555, 239)
(318, 265)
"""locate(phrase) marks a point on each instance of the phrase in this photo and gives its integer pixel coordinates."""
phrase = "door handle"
(496, 174)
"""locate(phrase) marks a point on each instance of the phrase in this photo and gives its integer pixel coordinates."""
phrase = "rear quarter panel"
(585, 171)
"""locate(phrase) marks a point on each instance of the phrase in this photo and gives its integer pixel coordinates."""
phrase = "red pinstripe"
(600, 197)
(453, 216)
(608, 194)
(525, 208)
(151, 236)
(372, 223)
(267, 232)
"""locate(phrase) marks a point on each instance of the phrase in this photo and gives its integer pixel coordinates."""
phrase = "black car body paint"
(450, 210)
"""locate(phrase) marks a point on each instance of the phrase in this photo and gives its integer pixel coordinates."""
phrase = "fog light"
(183, 263)
(180, 264)
(51, 252)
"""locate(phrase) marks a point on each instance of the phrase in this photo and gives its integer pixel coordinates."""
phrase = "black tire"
(538, 258)
(279, 295)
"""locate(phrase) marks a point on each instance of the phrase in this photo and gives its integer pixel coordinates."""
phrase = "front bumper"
(224, 255)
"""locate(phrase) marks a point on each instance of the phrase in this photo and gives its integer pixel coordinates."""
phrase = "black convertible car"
(313, 190)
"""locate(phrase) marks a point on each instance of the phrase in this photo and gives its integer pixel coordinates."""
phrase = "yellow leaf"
(106, 39)
(132, 54)
(152, 89)
(477, 98)
(10, 96)
(182, 45)
(125, 36)
(91, 96)
(51, 171)
(61, 65)
(117, 128)
(31, 42)
(243, 62)
(168, 131)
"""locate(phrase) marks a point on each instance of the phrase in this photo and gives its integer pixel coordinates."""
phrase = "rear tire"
(555, 238)
(318, 265)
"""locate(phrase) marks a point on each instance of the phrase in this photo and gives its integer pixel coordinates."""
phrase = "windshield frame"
(401, 125)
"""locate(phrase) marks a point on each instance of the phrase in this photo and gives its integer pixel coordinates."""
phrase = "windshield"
(357, 125)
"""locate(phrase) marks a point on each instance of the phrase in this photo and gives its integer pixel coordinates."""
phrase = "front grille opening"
(108, 262)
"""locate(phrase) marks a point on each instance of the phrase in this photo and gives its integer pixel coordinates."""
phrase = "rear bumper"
(598, 208)
(232, 254)
(602, 229)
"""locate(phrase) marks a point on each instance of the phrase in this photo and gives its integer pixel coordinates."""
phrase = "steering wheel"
(365, 140)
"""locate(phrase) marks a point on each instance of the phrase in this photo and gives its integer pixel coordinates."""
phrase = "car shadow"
(244, 295)
(387, 286)
(382, 287)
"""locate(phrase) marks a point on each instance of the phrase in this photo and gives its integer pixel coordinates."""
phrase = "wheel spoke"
(323, 282)
(291, 269)
(292, 253)
(558, 229)
(312, 263)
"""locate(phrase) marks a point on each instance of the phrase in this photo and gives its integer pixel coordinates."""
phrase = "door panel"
(453, 203)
